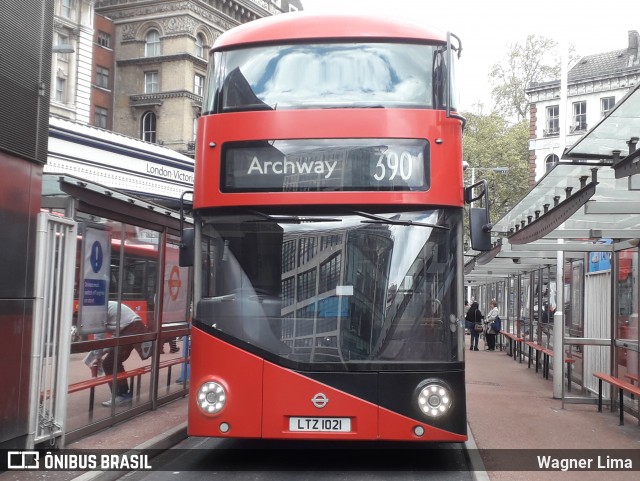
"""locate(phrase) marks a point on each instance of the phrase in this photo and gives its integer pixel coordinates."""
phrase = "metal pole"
(558, 329)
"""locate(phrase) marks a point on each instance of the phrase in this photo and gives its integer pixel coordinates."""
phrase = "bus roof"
(303, 26)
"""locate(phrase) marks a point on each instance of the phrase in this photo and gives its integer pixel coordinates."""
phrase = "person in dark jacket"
(474, 317)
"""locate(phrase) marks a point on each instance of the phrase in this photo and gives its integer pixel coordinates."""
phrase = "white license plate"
(327, 425)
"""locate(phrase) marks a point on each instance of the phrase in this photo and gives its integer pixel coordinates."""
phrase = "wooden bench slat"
(100, 380)
(618, 383)
(621, 385)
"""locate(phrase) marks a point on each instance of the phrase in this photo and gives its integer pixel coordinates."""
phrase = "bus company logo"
(320, 400)
(174, 283)
(23, 460)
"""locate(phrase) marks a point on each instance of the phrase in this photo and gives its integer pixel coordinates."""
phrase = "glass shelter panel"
(116, 283)
(626, 321)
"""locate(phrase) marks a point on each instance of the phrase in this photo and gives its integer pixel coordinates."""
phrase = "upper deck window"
(328, 75)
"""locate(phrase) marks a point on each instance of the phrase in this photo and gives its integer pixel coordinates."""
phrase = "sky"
(488, 27)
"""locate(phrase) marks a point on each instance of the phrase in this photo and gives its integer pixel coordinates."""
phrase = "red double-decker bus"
(328, 206)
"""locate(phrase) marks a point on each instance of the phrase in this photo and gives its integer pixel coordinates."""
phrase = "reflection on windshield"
(343, 291)
(324, 75)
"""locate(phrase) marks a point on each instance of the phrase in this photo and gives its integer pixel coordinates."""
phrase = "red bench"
(132, 374)
(547, 354)
(621, 385)
(569, 361)
(539, 350)
(514, 344)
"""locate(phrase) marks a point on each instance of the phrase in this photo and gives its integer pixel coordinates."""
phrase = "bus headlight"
(211, 397)
(434, 398)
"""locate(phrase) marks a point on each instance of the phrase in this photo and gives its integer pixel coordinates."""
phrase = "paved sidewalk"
(512, 407)
(159, 429)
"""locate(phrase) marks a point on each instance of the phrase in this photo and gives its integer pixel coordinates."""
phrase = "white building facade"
(594, 86)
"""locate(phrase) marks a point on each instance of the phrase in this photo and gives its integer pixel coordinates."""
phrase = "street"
(226, 459)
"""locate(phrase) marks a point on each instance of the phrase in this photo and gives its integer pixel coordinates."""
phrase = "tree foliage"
(490, 141)
(536, 60)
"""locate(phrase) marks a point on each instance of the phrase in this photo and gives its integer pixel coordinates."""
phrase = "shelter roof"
(588, 202)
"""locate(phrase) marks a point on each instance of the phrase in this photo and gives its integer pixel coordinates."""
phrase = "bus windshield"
(324, 75)
(341, 287)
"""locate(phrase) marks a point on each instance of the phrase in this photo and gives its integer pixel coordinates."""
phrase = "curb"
(162, 441)
(478, 470)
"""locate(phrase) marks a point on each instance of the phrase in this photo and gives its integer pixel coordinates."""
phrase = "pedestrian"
(492, 325)
(474, 317)
(467, 325)
(130, 324)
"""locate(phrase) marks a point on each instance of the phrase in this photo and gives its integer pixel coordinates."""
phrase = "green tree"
(491, 141)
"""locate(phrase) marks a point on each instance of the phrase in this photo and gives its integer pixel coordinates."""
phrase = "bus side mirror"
(480, 229)
(479, 219)
(187, 247)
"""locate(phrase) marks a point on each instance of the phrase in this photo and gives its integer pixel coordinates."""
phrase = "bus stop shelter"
(564, 262)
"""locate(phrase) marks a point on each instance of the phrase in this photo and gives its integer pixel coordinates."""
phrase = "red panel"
(287, 393)
(303, 25)
(395, 427)
(446, 156)
(262, 397)
(240, 373)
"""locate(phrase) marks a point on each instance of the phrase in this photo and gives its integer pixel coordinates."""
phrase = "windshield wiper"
(290, 219)
(378, 219)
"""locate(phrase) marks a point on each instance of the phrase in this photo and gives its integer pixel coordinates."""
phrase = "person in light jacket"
(490, 333)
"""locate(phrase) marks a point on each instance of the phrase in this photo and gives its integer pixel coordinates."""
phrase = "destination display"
(313, 165)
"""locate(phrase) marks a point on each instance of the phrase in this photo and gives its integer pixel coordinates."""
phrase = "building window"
(62, 39)
(288, 256)
(61, 88)
(149, 127)
(553, 120)
(200, 46)
(550, 161)
(100, 117)
(579, 116)
(152, 44)
(151, 85)
(330, 273)
(606, 104)
(198, 84)
(288, 291)
(306, 249)
(306, 285)
(66, 7)
(102, 77)
(104, 39)
(293, 8)
(328, 241)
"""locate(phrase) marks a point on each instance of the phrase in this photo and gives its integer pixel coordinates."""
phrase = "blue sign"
(600, 261)
(94, 283)
(95, 292)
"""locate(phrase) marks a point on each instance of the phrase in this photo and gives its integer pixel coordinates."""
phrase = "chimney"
(632, 50)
